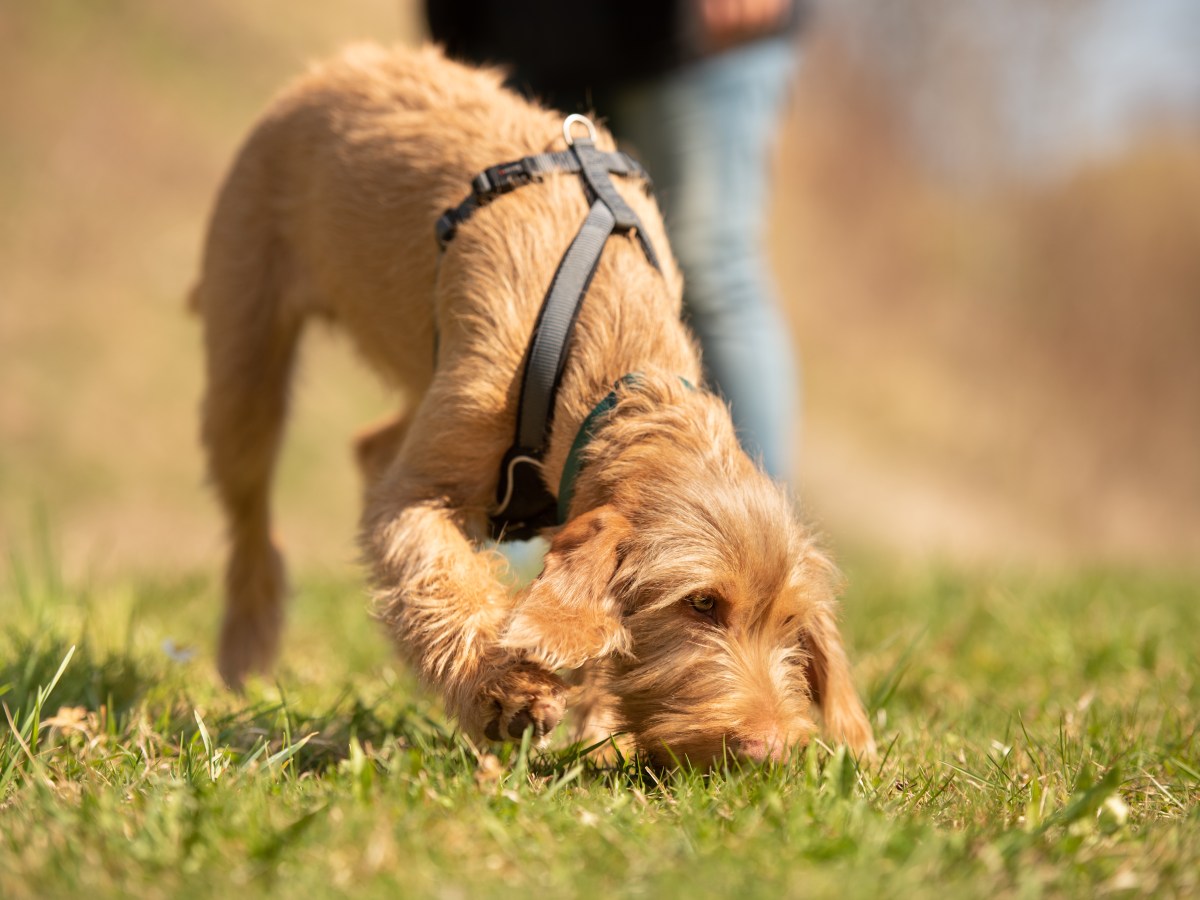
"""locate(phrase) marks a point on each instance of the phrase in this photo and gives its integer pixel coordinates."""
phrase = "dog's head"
(712, 608)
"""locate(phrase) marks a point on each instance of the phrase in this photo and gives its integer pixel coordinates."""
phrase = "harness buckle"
(496, 180)
(447, 224)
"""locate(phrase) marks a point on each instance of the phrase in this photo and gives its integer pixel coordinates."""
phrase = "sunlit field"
(1037, 735)
(998, 445)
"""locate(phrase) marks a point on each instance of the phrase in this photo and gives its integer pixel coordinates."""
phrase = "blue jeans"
(705, 132)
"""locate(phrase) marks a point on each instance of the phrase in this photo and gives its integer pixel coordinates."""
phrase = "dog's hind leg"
(250, 344)
(376, 446)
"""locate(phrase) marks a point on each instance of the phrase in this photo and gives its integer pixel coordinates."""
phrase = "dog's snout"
(761, 749)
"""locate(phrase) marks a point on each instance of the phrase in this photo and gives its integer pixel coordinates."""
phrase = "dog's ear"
(568, 615)
(829, 680)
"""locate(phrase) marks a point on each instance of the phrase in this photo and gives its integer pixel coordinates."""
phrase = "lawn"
(1002, 374)
(1039, 736)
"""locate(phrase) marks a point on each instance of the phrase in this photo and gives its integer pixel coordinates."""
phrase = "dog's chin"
(713, 750)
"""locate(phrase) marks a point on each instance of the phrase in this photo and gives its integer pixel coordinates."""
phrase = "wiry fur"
(329, 212)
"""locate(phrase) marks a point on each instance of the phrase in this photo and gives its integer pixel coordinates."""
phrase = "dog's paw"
(522, 695)
(253, 614)
(248, 645)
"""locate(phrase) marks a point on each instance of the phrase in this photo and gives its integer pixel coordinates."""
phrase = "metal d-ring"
(571, 120)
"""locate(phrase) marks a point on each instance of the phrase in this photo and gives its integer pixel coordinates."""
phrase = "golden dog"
(696, 610)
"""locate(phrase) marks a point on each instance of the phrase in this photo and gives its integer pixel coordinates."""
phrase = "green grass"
(1039, 736)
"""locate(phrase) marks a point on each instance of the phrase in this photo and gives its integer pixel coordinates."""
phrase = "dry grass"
(1001, 372)
(997, 369)
(126, 117)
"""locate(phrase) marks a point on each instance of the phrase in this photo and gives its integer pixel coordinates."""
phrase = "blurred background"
(986, 229)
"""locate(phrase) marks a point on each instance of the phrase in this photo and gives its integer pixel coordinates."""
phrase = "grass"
(1038, 733)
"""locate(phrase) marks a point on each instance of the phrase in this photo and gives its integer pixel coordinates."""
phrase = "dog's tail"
(250, 338)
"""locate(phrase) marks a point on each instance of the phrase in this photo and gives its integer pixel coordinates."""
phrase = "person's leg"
(705, 133)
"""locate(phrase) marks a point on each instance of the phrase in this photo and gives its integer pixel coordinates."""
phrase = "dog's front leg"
(444, 606)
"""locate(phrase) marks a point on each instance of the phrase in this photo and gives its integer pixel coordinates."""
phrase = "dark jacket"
(567, 52)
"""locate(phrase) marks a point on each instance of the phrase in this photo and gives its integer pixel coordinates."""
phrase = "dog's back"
(329, 208)
(330, 202)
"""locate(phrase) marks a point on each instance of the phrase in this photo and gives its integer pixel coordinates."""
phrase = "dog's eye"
(705, 604)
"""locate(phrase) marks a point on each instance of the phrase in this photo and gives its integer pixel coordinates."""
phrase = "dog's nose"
(761, 749)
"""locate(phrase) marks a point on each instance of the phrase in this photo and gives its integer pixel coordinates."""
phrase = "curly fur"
(328, 212)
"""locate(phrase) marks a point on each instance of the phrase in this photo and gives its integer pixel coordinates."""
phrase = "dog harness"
(523, 504)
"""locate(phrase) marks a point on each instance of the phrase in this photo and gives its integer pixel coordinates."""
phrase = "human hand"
(726, 22)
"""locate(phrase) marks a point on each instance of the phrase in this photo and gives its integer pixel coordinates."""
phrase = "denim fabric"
(705, 133)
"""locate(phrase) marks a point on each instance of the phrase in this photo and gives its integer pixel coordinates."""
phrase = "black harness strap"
(497, 180)
(600, 187)
(524, 505)
(547, 353)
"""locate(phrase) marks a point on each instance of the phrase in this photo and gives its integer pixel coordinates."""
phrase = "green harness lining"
(583, 437)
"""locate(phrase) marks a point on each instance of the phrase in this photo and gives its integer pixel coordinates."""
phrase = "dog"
(682, 603)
